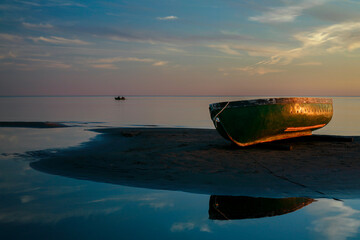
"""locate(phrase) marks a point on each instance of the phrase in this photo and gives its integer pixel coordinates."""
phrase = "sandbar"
(201, 161)
(33, 124)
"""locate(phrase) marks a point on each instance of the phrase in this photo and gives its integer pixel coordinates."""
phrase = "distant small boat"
(263, 120)
(119, 98)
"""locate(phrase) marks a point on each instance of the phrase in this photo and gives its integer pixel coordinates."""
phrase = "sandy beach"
(201, 161)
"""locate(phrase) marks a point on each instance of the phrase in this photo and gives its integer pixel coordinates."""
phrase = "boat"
(119, 98)
(249, 122)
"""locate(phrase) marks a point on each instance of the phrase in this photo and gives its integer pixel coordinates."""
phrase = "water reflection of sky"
(335, 220)
(57, 207)
(35, 204)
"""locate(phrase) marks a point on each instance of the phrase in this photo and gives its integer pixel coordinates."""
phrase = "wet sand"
(201, 161)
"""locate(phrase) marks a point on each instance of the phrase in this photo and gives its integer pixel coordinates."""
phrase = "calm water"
(38, 205)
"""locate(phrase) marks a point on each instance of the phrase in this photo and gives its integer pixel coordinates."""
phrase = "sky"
(180, 47)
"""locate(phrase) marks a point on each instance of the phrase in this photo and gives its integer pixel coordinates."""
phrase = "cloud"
(122, 59)
(205, 228)
(10, 37)
(8, 7)
(310, 64)
(48, 216)
(108, 63)
(225, 49)
(180, 227)
(48, 62)
(343, 36)
(287, 13)
(29, 64)
(57, 65)
(237, 50)
(53, 4)
(254, 70)
(59, 40)
(160, 63)
(284, 57)
(8, 55)
(157, 205)
(337, 38)
(353, 46)
(167, 18)
(104, 66)
(173, 49)
(335, 220)
(26, 198)
(40, 25)
(31, 3)
(188, 226)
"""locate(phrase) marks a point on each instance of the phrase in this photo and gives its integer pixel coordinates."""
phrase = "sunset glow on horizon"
(231, 47)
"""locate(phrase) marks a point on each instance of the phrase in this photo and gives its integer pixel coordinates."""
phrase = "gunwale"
(269, 101)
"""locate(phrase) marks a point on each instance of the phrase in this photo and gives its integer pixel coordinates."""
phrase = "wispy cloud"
(48, 63)
(343, 36)
(31, 3)
(108, 63)
(29, 64)
(40, 25)
(227, 49)
(53, 4)
(180, 227)
(8, 55)
(160, 63)
(27, 198)
(258, 70)
(124, 59)
(157, 205)
(59, 40)
(173, 49)
(104, 66)
(10, 37)
(336, 38)
(9, 7)
(237, 50)
(167, 18)
(286, 13)
(187, 226)
(48, 216)
(205, 228)
(284, 57)
(310, 64)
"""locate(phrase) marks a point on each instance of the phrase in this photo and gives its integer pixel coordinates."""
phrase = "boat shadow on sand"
(200, 161)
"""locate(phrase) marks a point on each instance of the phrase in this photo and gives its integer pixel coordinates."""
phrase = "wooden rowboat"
(263, 120)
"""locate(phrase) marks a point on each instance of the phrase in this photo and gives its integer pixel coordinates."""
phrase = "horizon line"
(163, 95)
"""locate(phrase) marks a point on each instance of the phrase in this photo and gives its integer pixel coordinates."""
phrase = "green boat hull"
(264, 120)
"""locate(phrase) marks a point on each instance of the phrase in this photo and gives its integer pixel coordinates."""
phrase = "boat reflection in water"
(241, 207)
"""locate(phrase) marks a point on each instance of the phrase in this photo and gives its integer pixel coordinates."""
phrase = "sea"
(38, 205)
